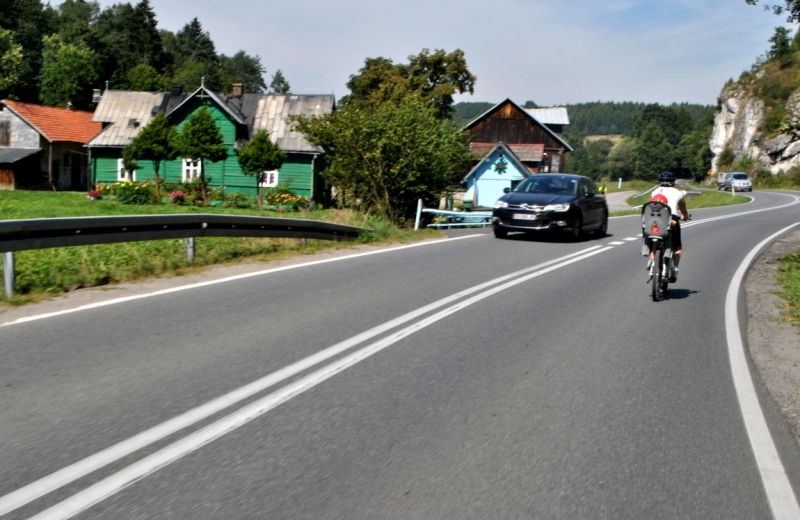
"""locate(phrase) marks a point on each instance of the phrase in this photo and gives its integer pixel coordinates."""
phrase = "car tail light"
(655, 230)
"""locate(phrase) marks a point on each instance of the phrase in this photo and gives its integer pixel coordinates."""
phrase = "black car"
(550, 202)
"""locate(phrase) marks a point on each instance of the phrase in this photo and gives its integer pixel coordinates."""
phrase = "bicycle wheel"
(656, 281)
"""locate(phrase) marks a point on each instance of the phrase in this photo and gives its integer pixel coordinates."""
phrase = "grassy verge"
(636, 185)
(45, 273)
(789, 278)
(706, 199)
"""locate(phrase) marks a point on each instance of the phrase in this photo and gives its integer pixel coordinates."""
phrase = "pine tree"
(202, 139)
(279, 84)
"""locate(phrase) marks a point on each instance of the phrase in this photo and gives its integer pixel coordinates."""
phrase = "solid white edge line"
(77, 470)
(152, 463)
(780, 495)
(223, 280)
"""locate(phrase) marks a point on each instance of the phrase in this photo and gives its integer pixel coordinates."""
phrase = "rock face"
(736, 127)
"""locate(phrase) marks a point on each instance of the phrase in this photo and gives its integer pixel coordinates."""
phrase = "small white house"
(497, 170)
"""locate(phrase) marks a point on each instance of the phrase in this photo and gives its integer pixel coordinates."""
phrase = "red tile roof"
(58, 124)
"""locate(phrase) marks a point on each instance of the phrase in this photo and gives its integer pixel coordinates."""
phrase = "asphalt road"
(562, 391)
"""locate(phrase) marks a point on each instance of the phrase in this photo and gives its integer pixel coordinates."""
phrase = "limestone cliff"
(739, 126)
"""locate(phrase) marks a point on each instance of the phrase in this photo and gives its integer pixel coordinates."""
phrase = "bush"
(135, 192)
(726, 158)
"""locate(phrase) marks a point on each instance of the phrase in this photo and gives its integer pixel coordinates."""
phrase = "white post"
(419, 214)
(8, 274)
(619, 184)
(190, 249)
(733, 188)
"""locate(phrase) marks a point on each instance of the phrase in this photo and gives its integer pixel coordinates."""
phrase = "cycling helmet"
(666, 178)
(659, 198)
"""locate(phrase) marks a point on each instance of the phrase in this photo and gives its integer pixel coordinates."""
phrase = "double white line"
(148, 465)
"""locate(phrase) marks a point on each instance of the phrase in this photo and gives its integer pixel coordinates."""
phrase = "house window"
(269, 179)
(191, 169)
(123, 174)
(5, 133)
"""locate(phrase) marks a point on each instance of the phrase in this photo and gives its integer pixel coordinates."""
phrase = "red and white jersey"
(673, 195)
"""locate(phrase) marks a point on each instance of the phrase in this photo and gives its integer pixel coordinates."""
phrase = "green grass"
(789, 278)
(636, 185)
(44, 273)
(706, 199)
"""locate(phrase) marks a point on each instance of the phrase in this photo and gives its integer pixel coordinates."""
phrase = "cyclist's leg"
(677, 244)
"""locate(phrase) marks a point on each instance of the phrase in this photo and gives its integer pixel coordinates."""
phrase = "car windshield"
(542, 184)
(740, 176)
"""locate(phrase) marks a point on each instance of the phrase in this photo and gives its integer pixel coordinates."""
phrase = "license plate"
(524, 216)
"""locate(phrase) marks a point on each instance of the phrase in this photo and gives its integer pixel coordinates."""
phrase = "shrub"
(177, 197)
(135, 192)
(726, 157)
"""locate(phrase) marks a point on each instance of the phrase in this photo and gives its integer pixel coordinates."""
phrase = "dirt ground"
(774, 344)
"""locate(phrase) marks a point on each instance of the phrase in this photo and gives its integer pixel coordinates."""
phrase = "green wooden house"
(238, 115)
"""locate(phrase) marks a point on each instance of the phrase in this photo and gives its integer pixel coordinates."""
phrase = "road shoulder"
(774, 345)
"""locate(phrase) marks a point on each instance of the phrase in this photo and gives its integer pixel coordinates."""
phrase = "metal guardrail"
(20, 235)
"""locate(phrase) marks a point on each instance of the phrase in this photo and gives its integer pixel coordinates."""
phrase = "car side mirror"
(506, 190)
(589, 195)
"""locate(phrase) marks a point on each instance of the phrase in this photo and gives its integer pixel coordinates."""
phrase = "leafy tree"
(193, 43)
(279, 84)
(202, 139)
(436, 77)
(192, 73)
(653, 153)
(466, 111)
(68, 71)
(790, 7)
(30, 20)
(145, 77)
(673, 122)
(10, 63)
(244, 69)
(530, 104)
(258, 156)
(621, 159)
(156, 142)
(75, 19)
(390, 154)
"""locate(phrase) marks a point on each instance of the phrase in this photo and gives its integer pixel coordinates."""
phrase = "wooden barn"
(538, 145)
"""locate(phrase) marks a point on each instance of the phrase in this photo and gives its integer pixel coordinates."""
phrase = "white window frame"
(124, 175)
(191, 169)
(269, 179)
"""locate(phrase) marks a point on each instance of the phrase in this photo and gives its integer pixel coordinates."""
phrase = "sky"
(551, 52)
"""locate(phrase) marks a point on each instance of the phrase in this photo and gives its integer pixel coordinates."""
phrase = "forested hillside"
(595, 118)
(57, 55)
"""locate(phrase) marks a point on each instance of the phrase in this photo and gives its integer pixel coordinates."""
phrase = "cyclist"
(667, 193)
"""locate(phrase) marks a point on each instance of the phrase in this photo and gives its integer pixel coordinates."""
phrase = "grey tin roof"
(127, 112)
(550, 116)
(12, 155)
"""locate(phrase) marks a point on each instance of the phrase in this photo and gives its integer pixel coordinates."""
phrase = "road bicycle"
(657, 232)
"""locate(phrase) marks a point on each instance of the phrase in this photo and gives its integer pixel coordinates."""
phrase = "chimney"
(177, 90)
(96, 95)
(69, 105)
(237, 89)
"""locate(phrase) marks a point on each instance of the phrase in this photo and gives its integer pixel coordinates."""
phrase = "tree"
(193, 43)
(30, 20)
(279, 84)
(653, 153)
(10, 63)
(674, 122)
(390, 154)
(145, 77)
(244, 69)
(201, 139)
(156, 142)
(790, 7)
(436, 77)
(68, 72)
(530, 104)
(258, 156)
(781, 44)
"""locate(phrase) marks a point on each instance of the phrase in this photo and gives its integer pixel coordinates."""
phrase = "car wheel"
(603, 230)
(577, 229)
(500, 233)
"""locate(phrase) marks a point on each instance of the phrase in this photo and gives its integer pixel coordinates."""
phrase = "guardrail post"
(619, 184)
(8, 274)
(190, 249)
(419, 213)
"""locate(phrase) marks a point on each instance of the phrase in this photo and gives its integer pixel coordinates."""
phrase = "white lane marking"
(152, 463)
(224, 280)
(60, 478)
(631, 239)
(616, 243)
(781, 497)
